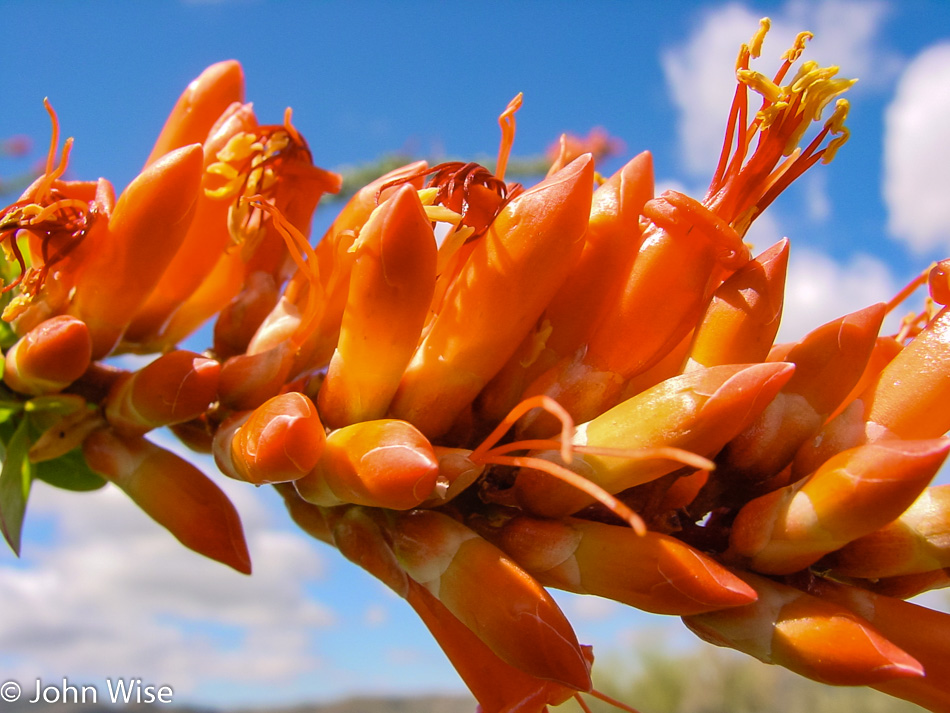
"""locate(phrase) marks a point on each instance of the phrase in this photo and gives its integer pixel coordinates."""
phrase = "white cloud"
(375, 615)
(817, 201)
(594, 608)
(847, 34)
(701, 71)
(819, 289)
(916, 151)
(111, 594)
(701, 78)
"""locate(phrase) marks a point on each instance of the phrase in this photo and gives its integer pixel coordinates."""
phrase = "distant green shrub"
(711, 680)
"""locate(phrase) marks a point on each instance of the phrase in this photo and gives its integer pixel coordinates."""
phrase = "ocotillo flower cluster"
(478, 392)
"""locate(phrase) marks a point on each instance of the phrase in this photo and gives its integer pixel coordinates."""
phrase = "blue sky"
(100, 591)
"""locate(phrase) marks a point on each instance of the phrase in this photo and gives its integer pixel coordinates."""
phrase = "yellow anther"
(835, 123)
(769, 114)
(539, 340)
(809, 73)
(792, 54)
(755, 44)
(820, 95)
(835, 144)
(239, 147)
(28, 212)
(225, 170)
(230, 174)
(758, 82)
(427, 196)
(441, 214)
(16, 307)
(742, 61)
(277, 142)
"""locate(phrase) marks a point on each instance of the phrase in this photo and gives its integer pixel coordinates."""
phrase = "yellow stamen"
(755, 44)
(761, 84)
(441, 214)
(427, 196)
(795, 51)
(744, 185)
(239, 147)
(539, 340)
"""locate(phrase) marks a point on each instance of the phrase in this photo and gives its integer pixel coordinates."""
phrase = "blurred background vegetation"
(658, 679)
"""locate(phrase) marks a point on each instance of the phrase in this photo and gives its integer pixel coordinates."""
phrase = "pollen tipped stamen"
(742, 185)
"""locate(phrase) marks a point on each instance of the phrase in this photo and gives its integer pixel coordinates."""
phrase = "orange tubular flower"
(280, 441)
(497, 686)
(916, 542)
(176, 387)
(828, 362)
(199, 107)
(64, 223)
(679, 261)
(275, 163)
(521, 624)
(385, 463)
(334, 263)
(743, 316)
(49, 358)
(610, 244)
(909, 399)
(813, 637)
(172, 492)
(391, 287)
(851, 495)
(698, 412)
(690, 246)
(921, 632)
(496, 298)
(653, 572)
(149, 223)
(202, 247)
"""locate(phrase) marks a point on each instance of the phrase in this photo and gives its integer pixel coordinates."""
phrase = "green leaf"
(15, 480)
(69, 472)
(9, 409)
